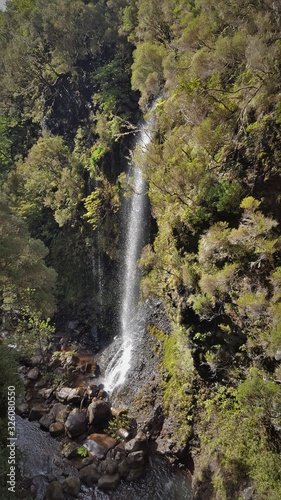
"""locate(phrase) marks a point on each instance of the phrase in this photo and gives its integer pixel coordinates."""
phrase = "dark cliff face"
(144, 388)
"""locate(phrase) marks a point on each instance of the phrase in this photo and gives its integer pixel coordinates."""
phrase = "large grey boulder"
(76, 423)
(108, 466)
(98, 412)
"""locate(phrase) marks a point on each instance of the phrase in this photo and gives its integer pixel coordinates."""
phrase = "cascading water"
(118, 367)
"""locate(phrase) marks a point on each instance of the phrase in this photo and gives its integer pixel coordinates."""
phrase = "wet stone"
(135, 459)
(54, 491)
(33, 374)
(109, 482)
(89, 474)
(99, 444)
(37, 412)
(135, 474)
(71, 486)
(63, 393)
(56, 429)
(76, 423)
(46, 421)
(60, 412)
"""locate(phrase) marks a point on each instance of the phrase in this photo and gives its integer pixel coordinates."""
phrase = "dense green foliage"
(71, 72)
(214, 186)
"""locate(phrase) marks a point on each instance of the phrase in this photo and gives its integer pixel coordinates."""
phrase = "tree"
(50, 177)
(25, 280)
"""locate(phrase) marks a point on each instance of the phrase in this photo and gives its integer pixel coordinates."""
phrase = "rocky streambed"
(94, 443)
(76, 443)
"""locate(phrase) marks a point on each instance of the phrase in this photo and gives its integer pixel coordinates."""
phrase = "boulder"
(138, 443)
(37, 412)
(76, 423)
(71, 486)
(89, 475)
(108, 466)
(248, 493)
(123, 468)
(40, 384)
(85, 462)
(22, 407)
(33, 374)
(60, 412)
(54, 491)
(98, 412)
(46, 421)
(277, 356)
(135, 474)
(109, 482)
(46, 393)
(63, 393)
(76, 395)
(56, 429)
(36, 360)
(99, 444)
(135, 459)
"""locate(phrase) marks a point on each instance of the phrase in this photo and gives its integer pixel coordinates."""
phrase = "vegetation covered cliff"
(71, 75)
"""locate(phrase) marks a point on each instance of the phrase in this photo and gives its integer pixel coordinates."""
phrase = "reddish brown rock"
(56, 429)
(99, 444)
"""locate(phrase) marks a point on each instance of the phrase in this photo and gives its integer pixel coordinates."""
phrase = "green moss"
(178, 374)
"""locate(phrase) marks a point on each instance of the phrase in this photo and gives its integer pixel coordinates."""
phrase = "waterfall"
(135, 226)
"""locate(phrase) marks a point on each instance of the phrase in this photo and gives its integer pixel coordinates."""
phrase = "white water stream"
(134, 230)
